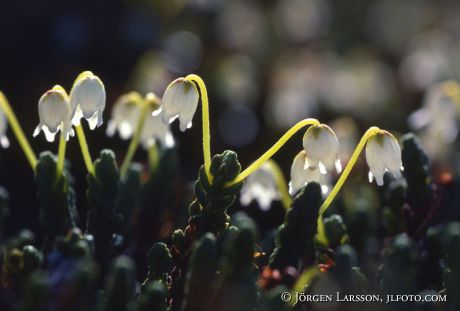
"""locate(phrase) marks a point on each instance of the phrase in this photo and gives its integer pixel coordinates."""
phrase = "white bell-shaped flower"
(55, 114)
(383, 153)
(322, 148)
(261, 186)
(180, 100)
(3, 128)
(154, 129)
(439, 113)
(126, 113)
(302, 175)
(87, 99)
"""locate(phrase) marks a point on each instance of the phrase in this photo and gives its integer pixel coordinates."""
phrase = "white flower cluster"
(58, 111)
(317, 159)
(179, 101)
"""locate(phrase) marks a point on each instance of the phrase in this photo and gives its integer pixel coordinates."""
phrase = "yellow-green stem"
(205, 119)
(321, 236)
(135, 140)
(84, 149)
(153, 157)
(61, 155)
(18, 132)
(286, 199)
(270, 152)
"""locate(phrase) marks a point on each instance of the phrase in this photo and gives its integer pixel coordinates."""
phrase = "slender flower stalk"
(84, 149)
(153, 156)
(135, 140)
(61, 155)
(205, 119)
(286, 199)
(18, 132)
(321, 236)
(274, 149)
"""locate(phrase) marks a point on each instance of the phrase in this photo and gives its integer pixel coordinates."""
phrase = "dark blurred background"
(267, 64)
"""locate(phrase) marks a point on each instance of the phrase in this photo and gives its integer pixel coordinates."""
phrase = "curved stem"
(61, 155)
(84, 149)
(270, 152)
(286, 199)
(321, 236)
(205, 119)
(18, 132)
(134, 141)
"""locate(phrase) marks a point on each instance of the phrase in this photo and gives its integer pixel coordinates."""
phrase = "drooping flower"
(383, 153)
(440, 111)
(261, 186)
(302, 175)
(3, 128)
(322, 148)
(154, 129)
(55, 114)
(87, 99)
(180, 100)
(125, 114)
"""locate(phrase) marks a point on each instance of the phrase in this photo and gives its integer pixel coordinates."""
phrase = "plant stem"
(286, 199)
(153, 157)
(205, 119)
(18, 132)
(270, 152)
(84, 149)
(321, 235)
(135, 140)
(61, 155)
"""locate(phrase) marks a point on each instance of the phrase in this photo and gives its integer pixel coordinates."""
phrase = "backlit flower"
(154, 129)
(261, 186)
(125, 114)
(3, 127)
(55, 114)
(439, 114)
(87, 99)
(322, 148)
(180, 100)
(383, 153)
(301, 175)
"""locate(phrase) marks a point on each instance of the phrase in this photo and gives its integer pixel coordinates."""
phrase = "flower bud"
(260, 186)
(125, 114)
(322, 148)
(87, 99)
(3, 128)
(180, 100)
(55, 113)
(383, 153)
(302, 175)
